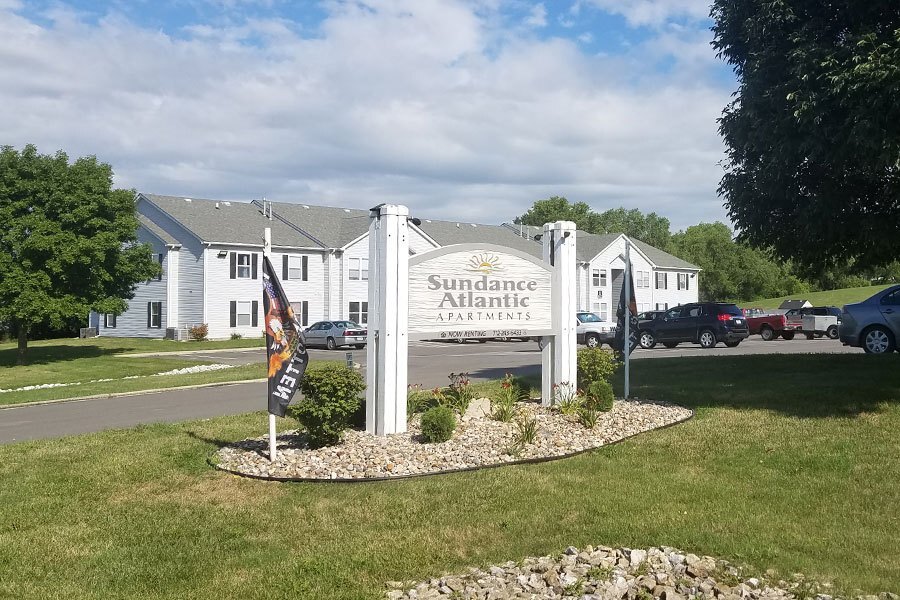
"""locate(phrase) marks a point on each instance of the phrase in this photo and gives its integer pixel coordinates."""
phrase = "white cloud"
(654, 12)
(408, 101)
(537, 17)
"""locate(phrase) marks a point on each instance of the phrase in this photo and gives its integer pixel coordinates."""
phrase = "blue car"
(873, 324)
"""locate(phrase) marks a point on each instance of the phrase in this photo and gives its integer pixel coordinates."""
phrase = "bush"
(417, 399)
(587, 416)
(460, 394)
(199, 332)
(438, 424)
(503, 402)
(331, 398)
(595, 364)
(599, 396)
(236, 336)
(565, 398)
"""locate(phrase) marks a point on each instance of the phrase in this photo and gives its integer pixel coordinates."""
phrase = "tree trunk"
(23, 344)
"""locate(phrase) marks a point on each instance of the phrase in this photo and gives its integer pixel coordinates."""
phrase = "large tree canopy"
(68, 243)
(650, 228)
(813, 136)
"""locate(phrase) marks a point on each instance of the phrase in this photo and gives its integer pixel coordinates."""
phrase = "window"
(683, 281)
(662, 281)
(295, 267)
(154, 315)
(243, 266)
(662, 306)
(595, 308)
(892, 299)
(595, 278)
(244, 313)
(109, 321)
(674, 313)
(359, 269)
(603, 311)
(359, 312)
(642, 279)
(301, 311)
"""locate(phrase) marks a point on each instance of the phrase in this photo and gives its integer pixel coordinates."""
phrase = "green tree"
(813, 135)
(68, 243)
(732, 270)
(650, 228)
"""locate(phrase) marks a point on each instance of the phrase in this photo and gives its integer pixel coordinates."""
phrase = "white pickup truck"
(591, 331)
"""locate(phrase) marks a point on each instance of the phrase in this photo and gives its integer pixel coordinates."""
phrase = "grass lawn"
(76, 360)
(830, 298)
(791, 463)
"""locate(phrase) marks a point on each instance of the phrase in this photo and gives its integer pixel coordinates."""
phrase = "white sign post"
(387, 348)
(558, 358)
(273, 437)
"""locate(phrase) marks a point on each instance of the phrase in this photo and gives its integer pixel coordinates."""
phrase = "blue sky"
(461, 109)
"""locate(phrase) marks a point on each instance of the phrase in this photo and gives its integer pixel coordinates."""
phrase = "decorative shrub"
(236, 336)
(600, 396)
(503, 402)
(587, 416)
(438, 423)
(565, 398)
(199, 332)
(595, 364)
(526, 431)
(331, 397)
(417, 399)
(460, 393)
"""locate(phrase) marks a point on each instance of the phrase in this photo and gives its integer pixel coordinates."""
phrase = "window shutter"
(305, 314)
(233, 310)
(255, 256)
(687, 279)
(254, 310)
(305, 267)
(233, 266)
(149, 316)
(114, 321)
(284, 267)
(665, 281)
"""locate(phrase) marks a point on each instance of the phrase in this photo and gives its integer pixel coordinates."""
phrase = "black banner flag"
(631, 312)
(285, 346)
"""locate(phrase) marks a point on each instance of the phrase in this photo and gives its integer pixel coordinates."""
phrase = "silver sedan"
(873, 324)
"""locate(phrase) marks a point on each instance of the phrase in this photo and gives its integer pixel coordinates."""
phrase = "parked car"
(770, 327)
(590, 330)
(335, 334)
(873, 324)
(704, 323)
(829, 325)
(754, 312)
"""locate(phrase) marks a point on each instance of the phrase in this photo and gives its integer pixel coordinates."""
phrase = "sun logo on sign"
(485, 263)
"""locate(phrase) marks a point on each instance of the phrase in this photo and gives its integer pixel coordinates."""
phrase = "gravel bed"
(478, 441)
(602, 573)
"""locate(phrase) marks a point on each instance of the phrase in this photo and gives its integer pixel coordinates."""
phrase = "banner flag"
(285, 346)
(618, 343)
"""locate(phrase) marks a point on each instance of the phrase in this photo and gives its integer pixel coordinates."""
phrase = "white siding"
(672, 296)
(354, 290)
(313, 290)
(418, 243)
(133, 322)
(221, 290)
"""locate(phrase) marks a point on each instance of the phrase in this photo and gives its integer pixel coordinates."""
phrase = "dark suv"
(704, 323)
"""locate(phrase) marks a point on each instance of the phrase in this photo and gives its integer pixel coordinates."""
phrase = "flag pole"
(273, 438)
(626, 341)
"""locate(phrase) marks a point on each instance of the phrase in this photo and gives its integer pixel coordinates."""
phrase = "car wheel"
(787, 335)
(767, 333)
(647, 340)
(502, 339)
(809, 336)
(832, 332)
(670, 344)
(359, 346)
(460, 340)
(707, 339)
(734, 344)
(331, 344)
(877, 340)
(482, 341)
(592, 341)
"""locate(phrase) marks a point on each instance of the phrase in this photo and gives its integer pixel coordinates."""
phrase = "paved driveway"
(429, 364)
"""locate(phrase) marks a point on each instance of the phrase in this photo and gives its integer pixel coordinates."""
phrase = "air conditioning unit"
(178, 334)
(599, 293)
(87, 332)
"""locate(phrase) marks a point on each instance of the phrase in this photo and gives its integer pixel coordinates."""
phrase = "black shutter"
(254, 309)
(233, 311)
(665, 281)
(255, 256)
(233, 266)
(305, 314)
(114, 321)
(284, 267)
(305, 268)
(148, 314)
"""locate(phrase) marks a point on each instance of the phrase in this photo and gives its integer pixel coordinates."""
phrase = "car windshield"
(588, 318)
(346, 325)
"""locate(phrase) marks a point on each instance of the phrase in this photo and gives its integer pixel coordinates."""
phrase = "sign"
(478, 291)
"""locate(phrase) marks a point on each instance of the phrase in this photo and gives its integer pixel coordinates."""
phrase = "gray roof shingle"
(663, 259)
(446, 233)
(230, 223)
(156, 230)
(335, 227)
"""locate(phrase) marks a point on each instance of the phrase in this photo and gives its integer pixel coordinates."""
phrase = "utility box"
(87, 332)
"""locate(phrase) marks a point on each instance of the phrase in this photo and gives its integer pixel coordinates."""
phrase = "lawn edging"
(526, 461)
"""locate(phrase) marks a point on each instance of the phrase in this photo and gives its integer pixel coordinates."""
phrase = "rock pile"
(478, 441)
(602, 573)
